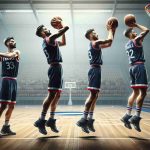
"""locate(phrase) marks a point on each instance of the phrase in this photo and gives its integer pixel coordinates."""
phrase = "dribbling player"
(10, 66)
(138, 75)
(94, 75)
(54, 59)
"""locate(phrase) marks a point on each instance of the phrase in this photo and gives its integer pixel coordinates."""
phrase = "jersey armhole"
(93, 46)
(47, 40)
(135, 43)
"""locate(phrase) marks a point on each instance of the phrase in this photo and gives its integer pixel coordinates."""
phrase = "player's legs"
(6, 127)
(47, 102)
(140, 76)
(135, 120)
(91, 112)
(90, 101)
(40, 123)
(131, 100)
(3, 106)
(141, 96)
(94, 77)
(51, 122)
(87, 123)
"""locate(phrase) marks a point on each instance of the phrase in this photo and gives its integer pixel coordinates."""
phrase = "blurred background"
(20, 18)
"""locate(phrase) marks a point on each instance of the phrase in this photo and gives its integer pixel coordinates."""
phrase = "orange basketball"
(113, 21)
(56, 22)
(129, 20)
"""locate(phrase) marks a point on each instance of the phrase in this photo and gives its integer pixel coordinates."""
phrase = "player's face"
(46, 32)
(133, 34)
(11, 43)
(94, 35)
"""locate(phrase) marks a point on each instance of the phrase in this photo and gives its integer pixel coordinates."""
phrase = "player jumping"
(54, 59)
(94, 75)
(138, 75)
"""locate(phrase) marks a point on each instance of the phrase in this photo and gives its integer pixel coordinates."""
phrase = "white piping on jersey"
(9, 77)
(53, 88)
(93, 88)
(140, 85)
(7, 101)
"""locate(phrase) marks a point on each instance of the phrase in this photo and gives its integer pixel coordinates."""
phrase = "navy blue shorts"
(55, 78)
(138, 76)
(8, 90)
(94, 77)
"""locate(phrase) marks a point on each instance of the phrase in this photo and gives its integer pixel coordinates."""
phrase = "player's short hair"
(88, 32)
(7, 40)
(39, 30)
(127, 32)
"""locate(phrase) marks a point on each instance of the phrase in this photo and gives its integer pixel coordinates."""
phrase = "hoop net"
(147, 9)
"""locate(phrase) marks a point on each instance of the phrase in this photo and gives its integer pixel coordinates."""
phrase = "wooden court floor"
(110, 133)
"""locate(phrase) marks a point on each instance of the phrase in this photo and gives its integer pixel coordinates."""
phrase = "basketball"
(56, 22)
(113, 21)
(129, 20)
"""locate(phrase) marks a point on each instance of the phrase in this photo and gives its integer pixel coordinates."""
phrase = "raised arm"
(106, 43)
(57, 35)
(142, 35)
(10, 55)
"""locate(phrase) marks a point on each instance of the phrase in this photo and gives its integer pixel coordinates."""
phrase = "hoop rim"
(146, 7)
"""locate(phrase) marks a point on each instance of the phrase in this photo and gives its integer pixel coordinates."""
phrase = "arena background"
(20, 18)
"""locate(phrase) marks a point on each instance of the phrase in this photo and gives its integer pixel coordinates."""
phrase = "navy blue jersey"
(135, 53)
(95, 55)
(52, 52)
(10, 67)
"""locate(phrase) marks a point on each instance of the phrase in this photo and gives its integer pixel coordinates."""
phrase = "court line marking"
(73, 118)
(40, 138)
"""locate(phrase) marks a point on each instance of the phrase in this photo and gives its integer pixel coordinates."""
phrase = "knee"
(11, 106)
(3, 106)
(94, 95)
(51, 95)
(143, 94)
(88, 103)
(55, 101)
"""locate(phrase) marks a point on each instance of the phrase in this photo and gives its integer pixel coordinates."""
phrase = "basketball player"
(10, 65)
(54, 59)
(138, 75)
(94, 75)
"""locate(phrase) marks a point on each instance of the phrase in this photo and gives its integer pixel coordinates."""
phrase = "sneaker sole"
(82, 128)
(39, 130)
(126, 124)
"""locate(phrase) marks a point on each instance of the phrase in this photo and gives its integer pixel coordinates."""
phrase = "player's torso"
(95, 55)
(52, 52)
(10, 67)
(135, 53)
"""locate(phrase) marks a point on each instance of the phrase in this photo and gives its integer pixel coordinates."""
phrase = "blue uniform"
(9, 74)
(94, 74)
(55, 71)
(137, 69)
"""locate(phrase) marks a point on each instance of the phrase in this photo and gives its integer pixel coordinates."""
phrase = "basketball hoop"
(70, 85)
(147, 9)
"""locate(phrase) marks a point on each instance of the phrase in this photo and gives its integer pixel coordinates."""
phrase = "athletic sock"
(91, 115)
(43, 115)
(85, 114)
(129, 110)
(138, 111)
(52, 114)
(6, 122)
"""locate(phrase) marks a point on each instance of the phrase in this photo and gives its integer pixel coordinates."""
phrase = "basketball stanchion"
(70, 86)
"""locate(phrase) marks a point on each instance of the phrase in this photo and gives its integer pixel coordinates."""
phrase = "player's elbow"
(64, 43)
(110, 42)
(147, 30)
